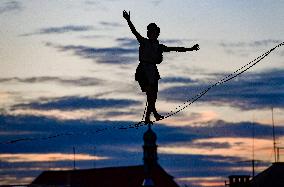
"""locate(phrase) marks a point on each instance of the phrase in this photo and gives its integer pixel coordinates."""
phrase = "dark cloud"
(196, 165)
(93, 36)
(242, 129)
(244, 48)
(174, 41)
(68, 28)
(177, 80)
(61, 30)
(214, 129)
(82, 81)
(72, 103)
(249, 91)
(10, 6)
(80, 132)
(156, 2)
(110, 24)
(84, 135)
(36, 126)
(118, 113)
(126, 51)
(88, 2)
(99, 5)
(257, 43)
(113, 55)
(132, 42)
(127, 42)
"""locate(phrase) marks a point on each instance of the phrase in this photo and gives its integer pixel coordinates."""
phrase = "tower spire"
(150, 157)
(150, 147)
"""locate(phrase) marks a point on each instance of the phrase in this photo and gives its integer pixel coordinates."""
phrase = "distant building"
(149, 174)
(238, 181)
(271, 177)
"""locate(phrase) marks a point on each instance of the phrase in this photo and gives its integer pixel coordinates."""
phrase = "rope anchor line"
(178, 109)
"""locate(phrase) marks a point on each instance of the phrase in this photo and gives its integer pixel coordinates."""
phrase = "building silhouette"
(148, 174)
(238, 181)
(273, 176)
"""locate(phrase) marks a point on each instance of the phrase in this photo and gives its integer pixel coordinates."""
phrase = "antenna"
(278, 148)
(74, 166)
(274, 142)
(252, 161)
(94, 164)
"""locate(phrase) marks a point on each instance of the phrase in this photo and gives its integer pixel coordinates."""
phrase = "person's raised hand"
(126, 15)
(195, 47)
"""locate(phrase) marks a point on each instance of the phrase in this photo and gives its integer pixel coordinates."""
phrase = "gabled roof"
(272, 176)
(128, 176)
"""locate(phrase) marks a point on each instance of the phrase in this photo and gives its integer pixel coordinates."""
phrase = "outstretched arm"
(181, 49)
(131, 26)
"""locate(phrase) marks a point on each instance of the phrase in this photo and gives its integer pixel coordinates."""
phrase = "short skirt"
(147, 75)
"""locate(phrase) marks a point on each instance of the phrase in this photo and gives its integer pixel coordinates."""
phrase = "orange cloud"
(191, 119)
(58, 114)
(240, 147)
(8, 180)
(41, 157)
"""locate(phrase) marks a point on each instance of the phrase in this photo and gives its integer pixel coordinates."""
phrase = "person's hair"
(153, 27)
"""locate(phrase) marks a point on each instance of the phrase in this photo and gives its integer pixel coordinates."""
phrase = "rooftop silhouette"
(148, 174)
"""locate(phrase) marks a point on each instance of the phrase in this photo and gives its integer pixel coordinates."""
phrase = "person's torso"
(150, 52)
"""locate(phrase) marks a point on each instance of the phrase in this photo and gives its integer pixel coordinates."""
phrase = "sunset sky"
(68, 67)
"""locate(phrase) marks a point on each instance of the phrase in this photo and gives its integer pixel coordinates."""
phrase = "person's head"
(153, 31)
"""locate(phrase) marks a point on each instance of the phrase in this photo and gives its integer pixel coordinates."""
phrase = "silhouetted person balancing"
(150, 54)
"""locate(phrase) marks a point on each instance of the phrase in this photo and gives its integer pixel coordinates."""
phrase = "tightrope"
(178, 109)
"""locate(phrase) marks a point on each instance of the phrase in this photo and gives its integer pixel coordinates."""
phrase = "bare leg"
(151, 99)
(151, 105)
